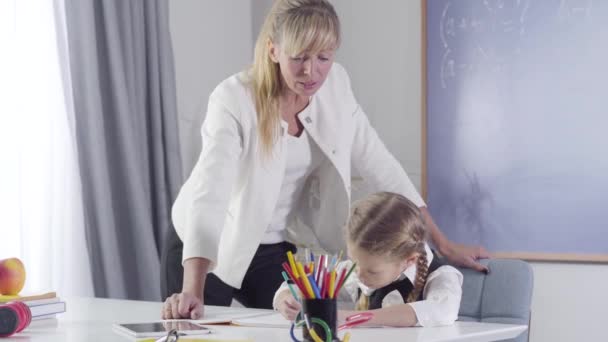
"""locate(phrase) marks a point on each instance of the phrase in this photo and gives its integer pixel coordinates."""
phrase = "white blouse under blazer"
(224, 208)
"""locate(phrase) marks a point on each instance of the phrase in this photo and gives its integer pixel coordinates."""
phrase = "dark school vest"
(404, 287)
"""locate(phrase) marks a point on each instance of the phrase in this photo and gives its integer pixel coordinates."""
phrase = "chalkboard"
(516, 136)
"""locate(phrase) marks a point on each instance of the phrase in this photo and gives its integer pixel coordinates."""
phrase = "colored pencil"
(347, 275)
(293, 292)
(320, 268)
(332, 282)
(294, 277)
(325, 285)
(292, 262)
(305, 281)
(340, 282)
(314, 286)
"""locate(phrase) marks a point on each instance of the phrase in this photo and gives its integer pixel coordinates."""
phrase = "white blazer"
(225, 206)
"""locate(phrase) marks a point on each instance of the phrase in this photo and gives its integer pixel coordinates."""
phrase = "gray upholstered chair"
(502, 296)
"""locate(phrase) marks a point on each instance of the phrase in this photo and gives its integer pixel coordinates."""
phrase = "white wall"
(381, 51)
(211, 41)
(569, 302)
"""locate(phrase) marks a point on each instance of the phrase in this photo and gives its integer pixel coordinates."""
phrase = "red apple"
(12, 276)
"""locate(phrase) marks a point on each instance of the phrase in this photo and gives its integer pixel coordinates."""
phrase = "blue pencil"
(315, 288)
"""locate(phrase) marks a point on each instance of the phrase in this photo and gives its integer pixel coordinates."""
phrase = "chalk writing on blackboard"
(574, 10)
(503, 20)
(516, 122)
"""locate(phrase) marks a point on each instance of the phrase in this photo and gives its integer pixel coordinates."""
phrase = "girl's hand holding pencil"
(288, 306)
(321, 279)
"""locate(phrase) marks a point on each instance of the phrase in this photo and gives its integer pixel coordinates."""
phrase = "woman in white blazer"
(279, 141)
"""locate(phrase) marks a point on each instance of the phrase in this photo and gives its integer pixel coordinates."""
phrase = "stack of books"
(42, 306)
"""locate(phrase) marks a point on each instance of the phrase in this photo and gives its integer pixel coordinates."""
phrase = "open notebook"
(260, 318)
(272, 320)
(276, 320)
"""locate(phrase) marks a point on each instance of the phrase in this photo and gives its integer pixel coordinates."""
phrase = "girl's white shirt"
(224, 208)
(440, 296)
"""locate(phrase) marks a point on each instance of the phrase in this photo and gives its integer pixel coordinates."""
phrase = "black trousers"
(261, 281)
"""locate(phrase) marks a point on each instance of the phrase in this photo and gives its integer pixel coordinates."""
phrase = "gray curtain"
(126, 129)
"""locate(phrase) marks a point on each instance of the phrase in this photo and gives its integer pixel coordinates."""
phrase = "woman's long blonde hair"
(388, 224)
(298, 25)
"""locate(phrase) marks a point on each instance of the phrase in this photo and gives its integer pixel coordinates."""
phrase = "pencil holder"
(14, 317)
(325, 310)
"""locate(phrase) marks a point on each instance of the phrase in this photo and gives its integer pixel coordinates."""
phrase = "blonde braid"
(362, 303)
(422, 270)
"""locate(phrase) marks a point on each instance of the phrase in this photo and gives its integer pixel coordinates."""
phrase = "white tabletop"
(91, 319)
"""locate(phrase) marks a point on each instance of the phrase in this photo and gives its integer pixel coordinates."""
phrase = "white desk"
(89, 319)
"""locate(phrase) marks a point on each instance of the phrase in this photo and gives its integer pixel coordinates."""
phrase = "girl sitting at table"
(397, 277)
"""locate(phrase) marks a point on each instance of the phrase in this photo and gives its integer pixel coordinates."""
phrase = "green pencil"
(350, 271)
(346, 277)
(293, 292)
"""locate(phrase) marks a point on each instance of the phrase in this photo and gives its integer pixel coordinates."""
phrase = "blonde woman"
(397, 276)
(279, 141)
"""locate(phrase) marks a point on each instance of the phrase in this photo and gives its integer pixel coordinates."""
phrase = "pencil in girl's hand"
(293, 292)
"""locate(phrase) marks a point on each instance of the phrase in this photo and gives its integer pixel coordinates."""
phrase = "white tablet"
(161, 328)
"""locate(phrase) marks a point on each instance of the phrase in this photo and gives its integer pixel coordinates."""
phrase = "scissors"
(356, 319)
